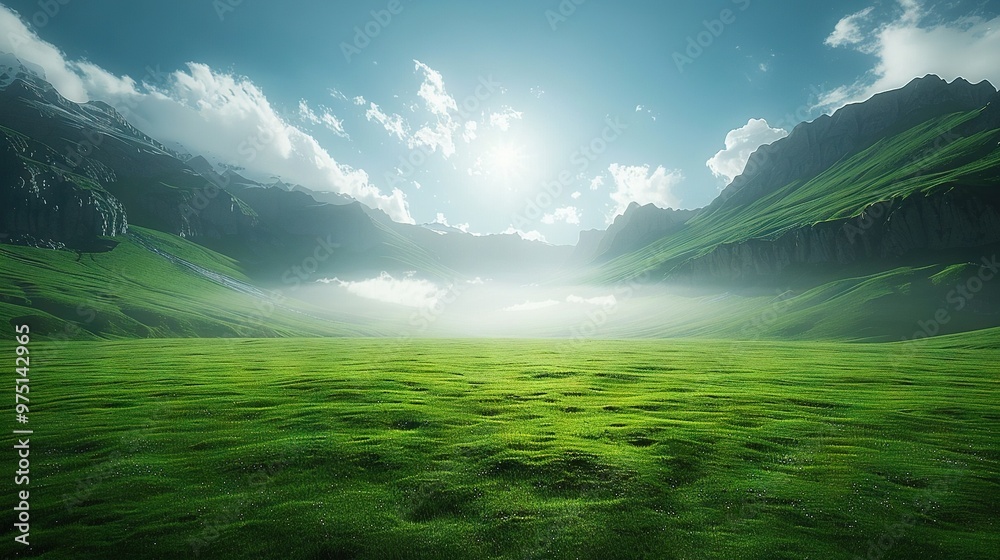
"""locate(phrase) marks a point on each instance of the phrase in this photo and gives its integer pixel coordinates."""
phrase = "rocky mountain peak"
(814, 146)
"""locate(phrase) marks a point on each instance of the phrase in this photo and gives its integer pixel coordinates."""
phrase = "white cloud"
(306, 113)
(327, 119)
(17, 39)
(526, 235)
(576, 195)
(432, 91)
(211, 113)
(532, 305)
(602, 301)
(334, 124)
(398, 291)
(847, 30)
(338, 95)
(740, 143)
(568, 214)
(503, 119)
(437, 137)
(910, 47)
(393, 124)
(597, 182)
(470, 133)
(637, 184)
(440, 219)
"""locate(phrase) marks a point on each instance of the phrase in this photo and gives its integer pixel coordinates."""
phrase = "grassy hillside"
(506, 449)
(925, 158)
(132, 291)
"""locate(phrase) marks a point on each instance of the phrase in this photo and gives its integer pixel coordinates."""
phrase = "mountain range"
(895, 196)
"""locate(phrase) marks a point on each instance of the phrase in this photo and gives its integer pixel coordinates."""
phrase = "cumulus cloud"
(912, 45)
(407, 292)
(637, 184)
(440, 136)
(848, 31)
(17, 39)
(503, 119)
(445, 122)
(437, 135)
(471, 131)
(433, 92)
(568, 214)
(597, 182)
(209, 112)
(740, 143)
(532, 305)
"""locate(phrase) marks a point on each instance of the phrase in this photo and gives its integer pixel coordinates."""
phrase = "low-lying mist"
(408, 306)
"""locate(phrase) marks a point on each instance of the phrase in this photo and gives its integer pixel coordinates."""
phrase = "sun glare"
(507, 161)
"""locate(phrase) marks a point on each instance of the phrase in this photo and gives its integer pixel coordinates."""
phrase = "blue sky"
(579, 107)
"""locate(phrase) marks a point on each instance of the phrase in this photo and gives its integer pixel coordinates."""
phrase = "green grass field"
(367, 448)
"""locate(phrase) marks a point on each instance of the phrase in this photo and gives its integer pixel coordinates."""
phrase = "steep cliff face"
(43, 208)
(637, 227)
(585, 250)
(956, 218)
(814, 146)
(93, 142)
(297, 214)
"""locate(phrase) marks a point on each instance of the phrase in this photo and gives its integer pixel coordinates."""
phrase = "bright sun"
(507, 161)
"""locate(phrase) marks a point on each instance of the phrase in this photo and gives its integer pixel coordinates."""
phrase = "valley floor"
(378, 448)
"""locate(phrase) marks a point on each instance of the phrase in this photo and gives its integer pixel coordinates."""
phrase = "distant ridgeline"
(906, 181)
